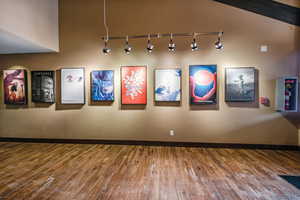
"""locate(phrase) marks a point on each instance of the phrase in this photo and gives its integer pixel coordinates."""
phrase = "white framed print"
(72, 86)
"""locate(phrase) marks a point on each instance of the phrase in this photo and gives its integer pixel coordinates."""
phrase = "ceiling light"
(218, 44)
(194, 45)
(172, 45)
(127, 48)
(106, 50)
(150, 46)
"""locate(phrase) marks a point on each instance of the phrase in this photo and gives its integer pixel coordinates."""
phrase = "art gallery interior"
(158, 100)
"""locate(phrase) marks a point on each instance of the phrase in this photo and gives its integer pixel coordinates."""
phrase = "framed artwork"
(203, 84)
(102, 85)
(240, 84)
(72, 86)
(167, 85)
(43, 86)
(134, 85)
(15, 86)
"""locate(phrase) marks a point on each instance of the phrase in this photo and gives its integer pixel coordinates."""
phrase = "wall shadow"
(167, 103)
(101, 103)
(133, 107)
(205, 107)
(41, 105)
(253, 104)
(58, 104)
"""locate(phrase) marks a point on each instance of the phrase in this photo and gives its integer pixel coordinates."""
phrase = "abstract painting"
(42, 84)
(134, 85)
(203, 84)
(240, 84)
(167, 85)
(72, 86)
(15, 86)
(102, 85)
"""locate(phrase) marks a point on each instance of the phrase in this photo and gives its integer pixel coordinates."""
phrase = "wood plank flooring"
(117, 172)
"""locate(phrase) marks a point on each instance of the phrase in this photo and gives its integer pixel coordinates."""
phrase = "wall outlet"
(172, 132)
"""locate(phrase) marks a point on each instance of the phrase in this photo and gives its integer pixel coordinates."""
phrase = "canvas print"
(72, 86)
(203, 84)
(240, 84)
(134, 85)
(15, 86)
(42, 84)
(102, 85)
(167, 85)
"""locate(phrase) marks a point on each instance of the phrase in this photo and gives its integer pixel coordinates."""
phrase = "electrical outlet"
(172, 132)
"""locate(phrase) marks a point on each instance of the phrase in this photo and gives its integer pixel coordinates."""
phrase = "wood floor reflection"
(117, 172)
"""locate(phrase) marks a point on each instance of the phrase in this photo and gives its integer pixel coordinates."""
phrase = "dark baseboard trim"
(153, 143)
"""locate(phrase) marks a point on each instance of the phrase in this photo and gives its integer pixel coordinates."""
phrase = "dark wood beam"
(268, 8)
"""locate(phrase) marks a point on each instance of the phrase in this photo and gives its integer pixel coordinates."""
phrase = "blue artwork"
(103, 85)
(203, 84)
(168, 85)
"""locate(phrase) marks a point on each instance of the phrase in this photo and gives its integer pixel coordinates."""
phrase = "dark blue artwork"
(103, 85)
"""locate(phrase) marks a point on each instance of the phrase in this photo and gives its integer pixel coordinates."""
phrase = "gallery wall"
(81, 29)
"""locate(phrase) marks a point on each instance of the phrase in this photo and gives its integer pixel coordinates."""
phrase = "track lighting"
(106, 50)
(150, 46)
(172, 45)
(218, 44)
(194, 45)
(127, 48)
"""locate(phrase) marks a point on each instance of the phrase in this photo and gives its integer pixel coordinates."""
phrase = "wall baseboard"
(153, 143)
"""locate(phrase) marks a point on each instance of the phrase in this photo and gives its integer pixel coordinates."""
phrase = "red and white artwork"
(134, 85)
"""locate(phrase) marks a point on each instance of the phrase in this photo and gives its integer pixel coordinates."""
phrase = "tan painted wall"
(295, 3)
(33, 20)
(80, 31)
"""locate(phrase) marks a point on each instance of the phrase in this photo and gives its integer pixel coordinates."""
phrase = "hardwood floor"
(116, 172)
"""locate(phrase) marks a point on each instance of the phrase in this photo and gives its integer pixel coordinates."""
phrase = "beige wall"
(35, 21)
(295, 3)
(81, 28)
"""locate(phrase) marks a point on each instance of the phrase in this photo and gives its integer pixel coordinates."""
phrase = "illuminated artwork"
(203, 84)
(168, 85)
(102, 85)
(72, 86)
(134, 85)
(15, 91)
(42, 84)
(240, 84)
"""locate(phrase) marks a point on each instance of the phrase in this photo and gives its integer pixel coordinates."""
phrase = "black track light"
(127, 48)
(172, 45)
(218, 44)
(194, 45)
(106, 50)
(150, 46)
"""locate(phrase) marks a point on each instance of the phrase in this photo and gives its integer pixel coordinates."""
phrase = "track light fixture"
(106, 50)
(194, 45)
(127, 48)
(218, 44)
(150, 46)
(172, 45)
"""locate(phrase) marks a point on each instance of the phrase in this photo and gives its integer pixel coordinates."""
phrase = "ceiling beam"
(268, 8)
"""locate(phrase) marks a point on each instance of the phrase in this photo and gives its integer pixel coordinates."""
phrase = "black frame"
(54, 86)
(255, 84)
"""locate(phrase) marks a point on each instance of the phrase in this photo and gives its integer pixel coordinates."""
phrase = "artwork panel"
(240, 84)
(203, 84)
(72, 86)
(102, 85)
(167, 85)
(134, 85)
(43, 86)
(15, 86)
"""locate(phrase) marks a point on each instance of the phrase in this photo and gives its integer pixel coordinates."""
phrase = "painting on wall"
(240, 84)
(15, 86)
(43, 86)
(102, 85)
(167, 85)
(203, 84)
(72, 86)
(134, 85)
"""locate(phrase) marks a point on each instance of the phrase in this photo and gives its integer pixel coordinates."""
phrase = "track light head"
(106, 50)
(127, 48)
(172, 45)
(219, 45)
(150, 46)
(194, 45)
